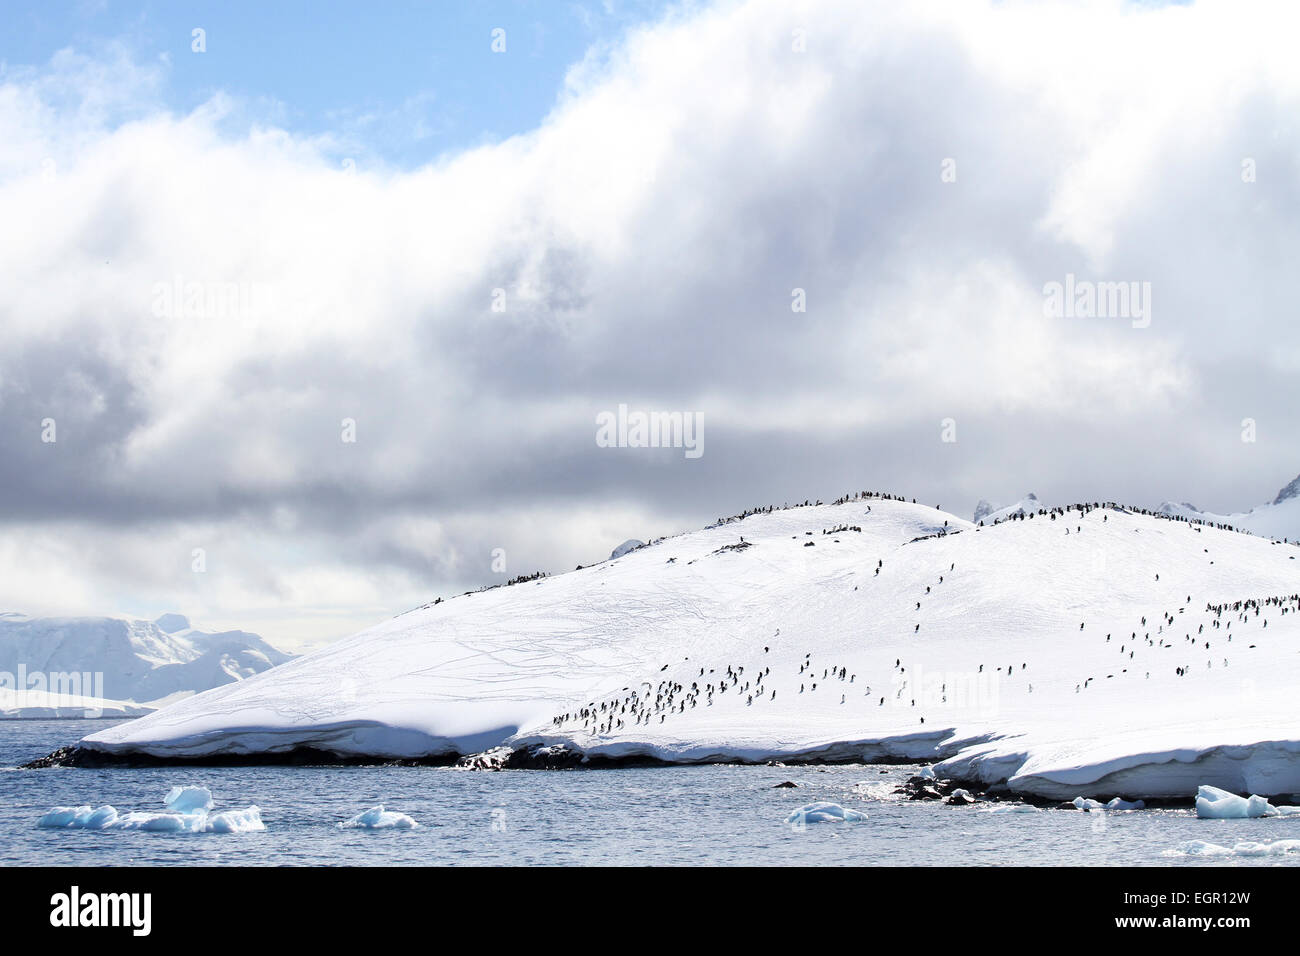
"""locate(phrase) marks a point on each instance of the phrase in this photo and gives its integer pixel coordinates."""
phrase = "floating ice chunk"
(1012, 808)
(187, 813)
(1215, 804)
(1198, 848)
(1117, 803)
(825, 813)
(1276, 848)
(162, 822)
(926, 773)
(236, 821)
(62, 816)
(1120, 804)
(188, 799)
(1245, 848)
(101, 818)
(377, 818)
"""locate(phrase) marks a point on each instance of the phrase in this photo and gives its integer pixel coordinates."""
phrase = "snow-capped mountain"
(123, 664)
(986, 513)
(1095, 651)
(1279, 519)
(627, 547)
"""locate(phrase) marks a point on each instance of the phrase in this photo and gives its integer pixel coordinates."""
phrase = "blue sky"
(412, 79)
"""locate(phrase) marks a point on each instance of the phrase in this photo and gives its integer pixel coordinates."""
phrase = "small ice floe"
(1011, 808)
(377, 818)
(825, 813)
(1197, 848)
(79, 818)
(926, 773)
(1118, 803)
(236, 821)
(1247, 848)
(1215, 804)
(1088, 804)
(187, 812)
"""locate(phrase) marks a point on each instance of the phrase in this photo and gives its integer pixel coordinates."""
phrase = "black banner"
(336, 905)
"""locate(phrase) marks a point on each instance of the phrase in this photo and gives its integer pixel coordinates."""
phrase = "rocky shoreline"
(536, 757)
(922, 786)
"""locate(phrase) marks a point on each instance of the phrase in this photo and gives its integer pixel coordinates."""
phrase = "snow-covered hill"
(55, 666)
(1095, 652)
(1279, 519)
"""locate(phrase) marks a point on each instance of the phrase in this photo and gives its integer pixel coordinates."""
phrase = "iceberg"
(825, 813)
(247, 820)
(1245, 848)
(62, 816)
(1084, 803)
(188, 799)
(1198, 848)
(1011, 808)
(187, 812)
(1119, 804)
(377, 818)
(1215, 804)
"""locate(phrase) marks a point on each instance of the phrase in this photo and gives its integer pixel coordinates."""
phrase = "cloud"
(202, 301)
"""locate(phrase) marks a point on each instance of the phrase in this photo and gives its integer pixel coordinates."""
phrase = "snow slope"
(660, 653)
(66, 666)
(1279, 519)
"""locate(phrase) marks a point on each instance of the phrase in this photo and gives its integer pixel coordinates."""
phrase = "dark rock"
(85, 757)
(557, 757)
(926, 788)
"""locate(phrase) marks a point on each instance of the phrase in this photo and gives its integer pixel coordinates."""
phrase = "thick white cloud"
(647, 238)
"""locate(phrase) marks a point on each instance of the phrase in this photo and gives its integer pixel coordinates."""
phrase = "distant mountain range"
(1278, 519)
(62, 666)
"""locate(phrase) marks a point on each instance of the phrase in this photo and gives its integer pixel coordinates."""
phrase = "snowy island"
(1094, 650)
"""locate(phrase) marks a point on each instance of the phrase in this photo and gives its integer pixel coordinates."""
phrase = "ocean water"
(688, 815)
